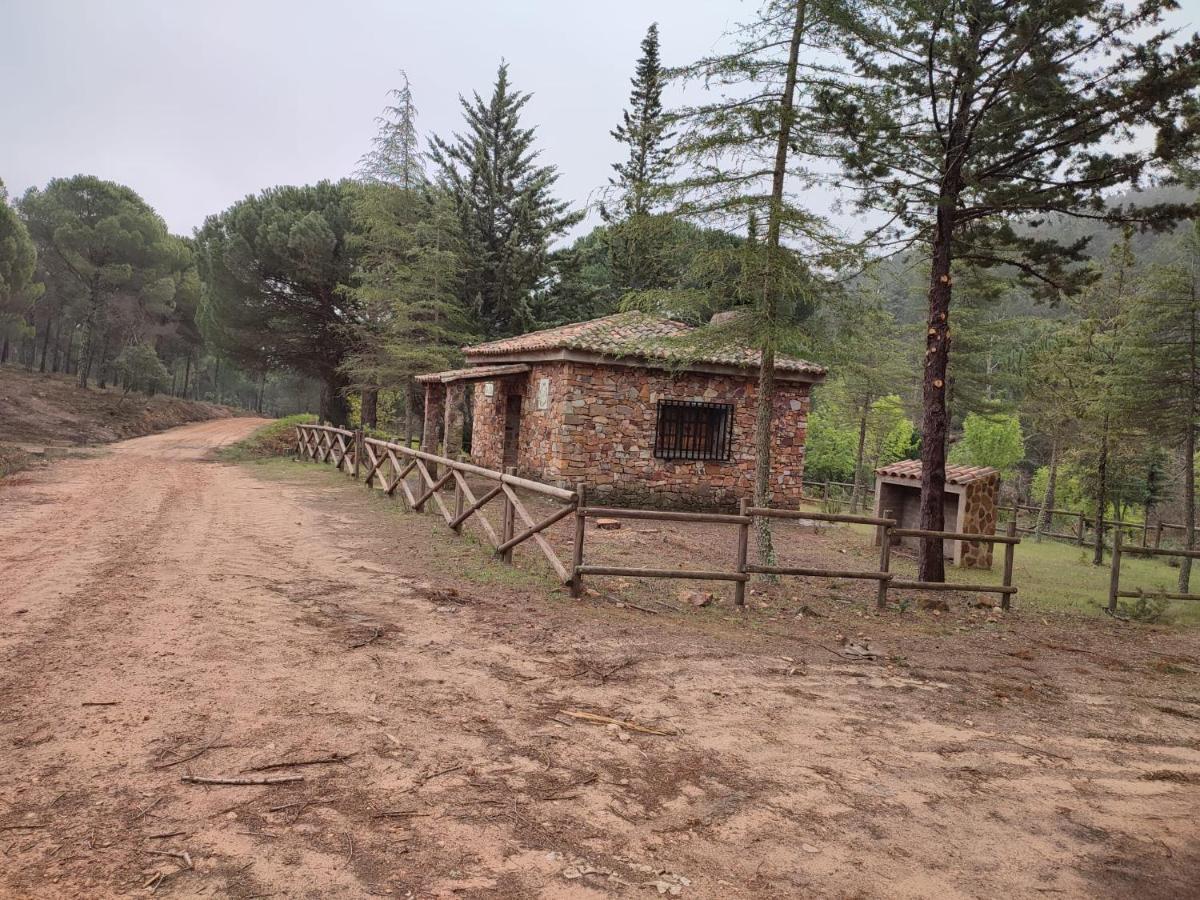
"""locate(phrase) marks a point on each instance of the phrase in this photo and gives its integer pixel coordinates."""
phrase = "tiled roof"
(472, 373)
(955, 474)
(633, 334)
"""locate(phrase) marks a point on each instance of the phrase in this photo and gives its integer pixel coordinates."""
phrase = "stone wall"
(597, 423)
(979, 517)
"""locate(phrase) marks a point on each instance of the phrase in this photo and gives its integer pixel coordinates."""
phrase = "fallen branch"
(211, 745)
(315, 761)
(16, 827)
(269, 779)
(421, 782)
(399, 814)
(372, 639)
(100, 703)
(607, 720)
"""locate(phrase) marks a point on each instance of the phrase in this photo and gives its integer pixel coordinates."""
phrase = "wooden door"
(512, 429)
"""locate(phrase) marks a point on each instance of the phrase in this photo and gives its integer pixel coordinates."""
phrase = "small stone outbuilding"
(615, 403)
(969, 506)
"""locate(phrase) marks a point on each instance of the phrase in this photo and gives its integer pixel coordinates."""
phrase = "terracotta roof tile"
(632, 334)
(955, 474)
(472, 373)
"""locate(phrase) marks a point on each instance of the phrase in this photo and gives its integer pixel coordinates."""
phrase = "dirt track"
(274, 621)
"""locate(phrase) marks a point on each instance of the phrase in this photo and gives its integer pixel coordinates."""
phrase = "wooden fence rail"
(391, 467)
(1114, 579)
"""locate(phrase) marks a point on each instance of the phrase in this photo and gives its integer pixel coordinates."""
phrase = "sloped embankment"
(40, 411)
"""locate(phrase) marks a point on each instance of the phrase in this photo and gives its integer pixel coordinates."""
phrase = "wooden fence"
(1082, 524)
(390, 467)
(1114, 579)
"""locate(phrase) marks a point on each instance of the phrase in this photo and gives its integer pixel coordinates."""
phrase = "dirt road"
(164, 615)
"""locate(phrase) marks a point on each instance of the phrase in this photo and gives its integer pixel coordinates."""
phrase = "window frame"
(675, 417)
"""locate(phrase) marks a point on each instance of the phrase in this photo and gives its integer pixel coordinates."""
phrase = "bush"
(139, 368)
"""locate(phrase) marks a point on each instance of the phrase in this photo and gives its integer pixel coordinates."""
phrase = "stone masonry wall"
(979, 517)
(598, 425)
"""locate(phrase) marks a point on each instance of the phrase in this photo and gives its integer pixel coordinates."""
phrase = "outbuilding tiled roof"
(472, 373)
(955, 474)
(633, 334)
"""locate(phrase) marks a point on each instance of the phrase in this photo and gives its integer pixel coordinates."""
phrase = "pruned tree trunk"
(1101, 496)
(369, 411)
(1045, 516)
(90, 324)
(770, 301)
(334, 408)
(931, 566)
(1189, 505)
(410, 401)
(187, 375)
(859, 474)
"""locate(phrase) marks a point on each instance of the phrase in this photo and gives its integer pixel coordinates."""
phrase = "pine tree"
(743, 157)
(395, 156)
(639, 240)
(410, 317)
(1166, 369)
(18, 261)
(957, 119)
(507, 213)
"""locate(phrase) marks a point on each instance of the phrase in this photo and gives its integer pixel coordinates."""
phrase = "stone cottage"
(615, 402)
(968, 506)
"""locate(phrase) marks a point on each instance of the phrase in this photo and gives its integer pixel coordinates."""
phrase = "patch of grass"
(273, 440)
(14, 459)
(1058, 577)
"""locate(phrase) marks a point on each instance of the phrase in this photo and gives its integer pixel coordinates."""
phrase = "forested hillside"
(1020, 288)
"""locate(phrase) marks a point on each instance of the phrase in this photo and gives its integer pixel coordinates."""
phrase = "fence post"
(507, 519)
(459, 503)
(1082, 529)
(885, 560)
(358, 442)
(743, 547)
(1010, 551)
(1158, 533)
(1114, 577)
(580, 531)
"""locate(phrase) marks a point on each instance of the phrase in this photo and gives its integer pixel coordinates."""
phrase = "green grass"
(272, 440)
(1059, 577)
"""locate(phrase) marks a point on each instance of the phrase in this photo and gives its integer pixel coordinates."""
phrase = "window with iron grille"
(689, 429)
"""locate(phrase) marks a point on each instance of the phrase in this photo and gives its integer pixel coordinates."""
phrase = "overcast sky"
(196, 103)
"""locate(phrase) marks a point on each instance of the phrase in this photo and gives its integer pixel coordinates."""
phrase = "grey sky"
(196, 103)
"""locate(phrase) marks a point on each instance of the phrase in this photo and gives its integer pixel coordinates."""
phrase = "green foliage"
(114, 247)
(277, 438)
(507, 214)
(18, 259)
(829, 448)
(395, 156)
(139, 368)
(410, 318)
(990, 440)
(639, 240)
(275, 265)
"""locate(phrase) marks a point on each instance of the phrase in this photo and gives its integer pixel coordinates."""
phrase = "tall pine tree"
(507, 213)
(395, 156)
(959, 118)
(639, 240)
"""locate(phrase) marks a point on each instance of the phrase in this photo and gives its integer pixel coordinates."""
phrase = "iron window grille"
(691, 429)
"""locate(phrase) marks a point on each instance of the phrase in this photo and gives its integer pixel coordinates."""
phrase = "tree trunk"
(369, 412)
(1189, 510)
(334, 408)
(4, 351)
(931, 566)
(46, 345)
(770, 302)
(859, 474)
(217, 380)
(410, 401)
(1045, 516)
(262, 389)
(90, 323)
(1101, 496)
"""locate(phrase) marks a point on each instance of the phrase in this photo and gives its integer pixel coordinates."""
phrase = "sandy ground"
(163, 615)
